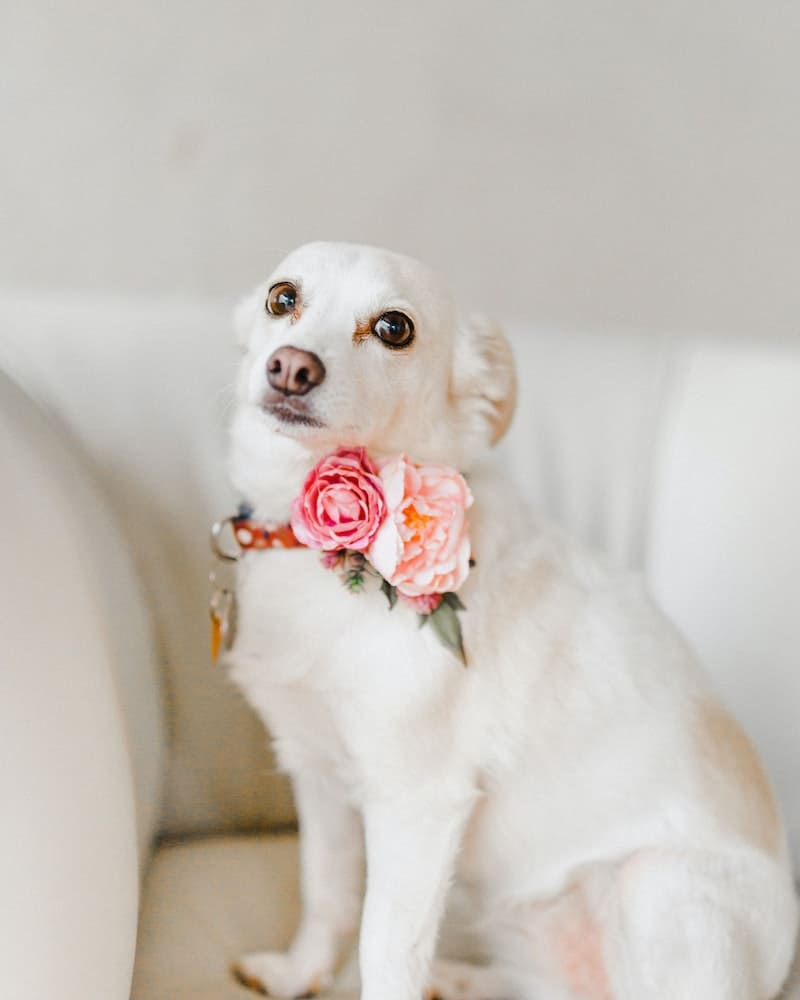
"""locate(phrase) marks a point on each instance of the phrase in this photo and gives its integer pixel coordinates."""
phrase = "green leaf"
(453, 600)
(391, 593)
(448, 629)
(354, 581)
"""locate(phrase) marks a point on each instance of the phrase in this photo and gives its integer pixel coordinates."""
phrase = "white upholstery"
(206, 902)
(723, 545)
(583, 441)
(678, 457)
(80, 762)
(210, 900)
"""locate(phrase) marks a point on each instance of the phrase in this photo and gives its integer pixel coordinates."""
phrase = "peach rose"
(422, 547)
(341, 505)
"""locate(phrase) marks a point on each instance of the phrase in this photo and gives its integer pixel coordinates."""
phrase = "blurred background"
(615, 163)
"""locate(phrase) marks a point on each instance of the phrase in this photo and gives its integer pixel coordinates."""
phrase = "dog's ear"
(484, 379)
(245, 315)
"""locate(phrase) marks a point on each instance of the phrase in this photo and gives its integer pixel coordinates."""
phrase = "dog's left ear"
(484, 379)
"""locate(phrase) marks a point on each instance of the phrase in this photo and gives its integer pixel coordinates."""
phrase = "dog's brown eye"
(394, 328)
(282, 298)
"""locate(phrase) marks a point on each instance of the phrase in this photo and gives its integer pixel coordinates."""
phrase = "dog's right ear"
(484, 380)
(245, 315)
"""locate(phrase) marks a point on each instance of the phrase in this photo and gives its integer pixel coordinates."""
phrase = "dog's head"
(353, 345)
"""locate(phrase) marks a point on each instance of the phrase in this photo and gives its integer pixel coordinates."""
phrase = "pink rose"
(341, 505)
(422, 547)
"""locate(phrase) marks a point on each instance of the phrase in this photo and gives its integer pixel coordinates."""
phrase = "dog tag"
(222, 610)
(223, 621)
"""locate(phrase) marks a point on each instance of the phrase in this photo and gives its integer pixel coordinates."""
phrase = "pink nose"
(294, 372)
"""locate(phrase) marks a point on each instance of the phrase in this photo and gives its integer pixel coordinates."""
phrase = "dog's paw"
(462, 981)
(275, 974)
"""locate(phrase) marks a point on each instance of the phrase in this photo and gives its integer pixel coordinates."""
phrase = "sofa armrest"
(69, 864)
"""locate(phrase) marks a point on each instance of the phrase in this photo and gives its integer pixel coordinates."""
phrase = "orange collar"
(235, 535)
(251, 535)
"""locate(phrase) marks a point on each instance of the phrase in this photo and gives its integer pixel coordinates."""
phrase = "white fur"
(576, 779)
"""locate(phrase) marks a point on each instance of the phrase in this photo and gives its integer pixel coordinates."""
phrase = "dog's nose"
(294, 372)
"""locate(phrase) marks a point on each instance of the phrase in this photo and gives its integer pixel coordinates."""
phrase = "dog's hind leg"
(698, 927)
(661, 925)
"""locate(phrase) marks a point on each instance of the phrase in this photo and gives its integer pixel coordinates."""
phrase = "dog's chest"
(341, 681)
(301, 622)
(289, 605)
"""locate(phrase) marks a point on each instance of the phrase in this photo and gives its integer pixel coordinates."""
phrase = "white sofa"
(137, 788)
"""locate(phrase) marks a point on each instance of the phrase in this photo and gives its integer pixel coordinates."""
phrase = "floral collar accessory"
(394, 519)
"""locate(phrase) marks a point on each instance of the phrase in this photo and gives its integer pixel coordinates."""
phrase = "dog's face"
(352, 345)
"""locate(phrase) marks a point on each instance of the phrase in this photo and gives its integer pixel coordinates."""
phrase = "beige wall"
(619, 162)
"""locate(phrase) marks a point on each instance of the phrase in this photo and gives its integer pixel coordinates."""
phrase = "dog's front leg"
(412, 840)
(331, 883)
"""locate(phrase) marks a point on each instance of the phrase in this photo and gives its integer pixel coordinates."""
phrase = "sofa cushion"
(208, 901)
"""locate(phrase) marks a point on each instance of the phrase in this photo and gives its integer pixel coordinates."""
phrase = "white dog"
(611, 823)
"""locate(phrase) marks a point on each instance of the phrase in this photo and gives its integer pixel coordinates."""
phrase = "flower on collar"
(404, 521)
(341, 505)
(422, 546)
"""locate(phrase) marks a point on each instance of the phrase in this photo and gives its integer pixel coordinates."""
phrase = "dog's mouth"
(293, 413)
